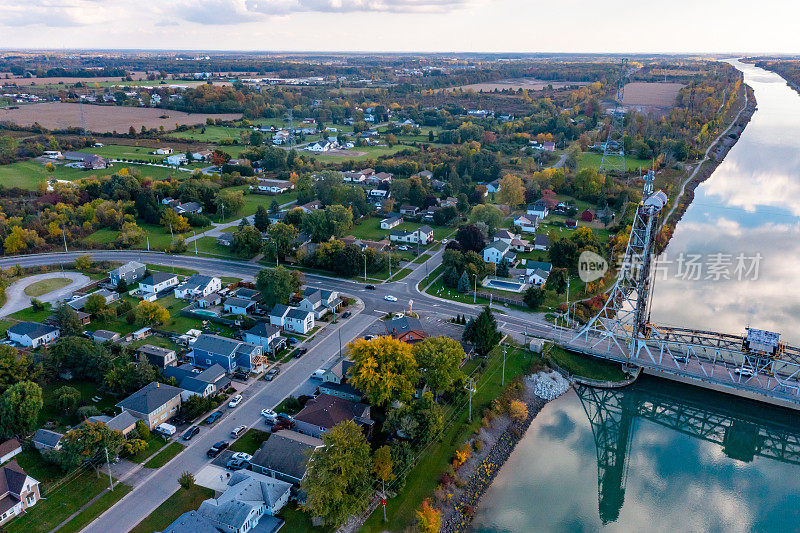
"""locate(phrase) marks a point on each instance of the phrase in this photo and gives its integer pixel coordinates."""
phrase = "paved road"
(18, 300)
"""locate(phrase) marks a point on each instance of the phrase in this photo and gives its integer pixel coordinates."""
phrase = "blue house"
(230, 354)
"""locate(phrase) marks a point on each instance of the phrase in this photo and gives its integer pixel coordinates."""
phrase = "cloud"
(55, 13)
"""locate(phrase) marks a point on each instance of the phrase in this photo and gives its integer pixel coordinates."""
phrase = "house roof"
(532, 265)
(12, 478)
(245, 491)
(9, 446)
(121, 422)
(504, 234)
(280, 310)
(33, 330)
(285, 452)
(244, 292)
(105, 334)
(193, 384)
(399, 326)
(129, 267)
(425, 229)
(263, 329)
(157, 277)
(541, 239)
(297, 314)
(196, 281)
(150, 397)
(216, 344)
(392, 218)
(500, 246)
(191, 522)
(157, 351)
(326, 411)
(538, 205)
(47, 438)
(233, 301)
(225, 237)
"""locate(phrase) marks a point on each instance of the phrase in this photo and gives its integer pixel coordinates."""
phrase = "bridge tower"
(625, 315)
(614, 147)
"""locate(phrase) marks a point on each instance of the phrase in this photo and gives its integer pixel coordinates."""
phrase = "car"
(291, 340)
(403, 247)
(241, 455)
(213, 417)
(347, 314)
(240, 375)
(236, 400)
(743, 371)
(369, 337)
(269, 414)
(217, 448)
(191, 432)
(370, 287)
(444, 241)
(284, 416)
(318, 373)
(390, 298)
(238, 464)
(299, 352)
(271, 374)
(238, 431)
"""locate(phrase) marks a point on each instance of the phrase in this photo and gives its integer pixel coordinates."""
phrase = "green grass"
(35, 466)
(592, 160)
(60, 504)
(299, 522)
(369, 152)
(209, 245)
(29, 174)
(165, 455)
(116, 151)
(437, 288)
(585, 366)
(212, 134)
(88, 390)
(30, 315)
(154, 443)
(252, 201)
(370, 229)
(421, 258)
(250, 441)
(4, 325)
(180, 502)
(180, 271)
(98, 507)
(283, 408)
(46, 285)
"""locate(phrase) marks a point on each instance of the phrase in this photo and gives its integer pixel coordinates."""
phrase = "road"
(18, 300)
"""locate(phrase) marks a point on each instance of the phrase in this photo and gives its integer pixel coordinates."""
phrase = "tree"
(533, 297)
(557, 280)
(338, 483)
(518, 410)
(470, 238)
(463, 282)
(512, 190)
(246, 242)
(83, 263)
(219, 158)
(429, 520)
(67, 398)
(78, 356)
(502, 270)
(88, 442)
(488, 214)
(482, 332)
(384, 369)
(231, 201)
(135, 446)
(439, 362)
(186, 481)
(142, 429)
(382, 465)
(174, 222)
(94, 304)
(277, 285)
(16, 367)
(151, 314)
(19, 408)
(261, 219)
(274, 207)
(283, 236)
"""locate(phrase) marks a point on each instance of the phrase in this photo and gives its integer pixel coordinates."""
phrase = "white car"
(743, 371)
(390, 298)
(236, 400)
(269, 413)
(403, 247)
(241, 456)
(444, 241)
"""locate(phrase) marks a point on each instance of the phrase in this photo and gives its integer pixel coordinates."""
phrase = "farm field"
(651, 94)
(531, 84)
(101, 119)
(210, 133)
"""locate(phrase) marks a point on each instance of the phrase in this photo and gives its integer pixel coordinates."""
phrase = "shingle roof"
(191, 522)
(500, 246)
(398, 326)
(297, 314)
(122, 421)
(216, 344)
(196, 281)
(34, 330)
(246, 490)
(156, 351)
(157, 277)
(193, 384)
(326, 411)
(128, 267)
(233, 301)
(47, 438)
(12, 478)
(263, 329)
(284, 452)
(279, 310)
(149, 398)
(9, 446)
(248, 294)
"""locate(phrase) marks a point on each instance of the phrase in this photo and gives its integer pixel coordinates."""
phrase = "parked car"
(213, 417)
(318, 373)
(217, 448)
(165, 429)
(235, 401)
(238, 431)
(402, 247)
(238, 464)
(284, 416)
(743, 371)
(291, 340)
(240, 375)
(390, 298)
(347, 314)
(299, 352)
(269, 414)
(444, 241)
(241, 455)
(369, 337)
(370, 287)
(191, 432)
(269, 376)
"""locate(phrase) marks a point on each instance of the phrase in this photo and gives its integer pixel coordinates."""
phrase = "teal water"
(656, 456)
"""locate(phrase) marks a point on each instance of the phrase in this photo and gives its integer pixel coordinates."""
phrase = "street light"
(475, 293)
(365, 267)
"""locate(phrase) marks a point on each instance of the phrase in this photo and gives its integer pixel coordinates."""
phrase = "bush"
(186, 480)
(67, 398)
(197, 220)
(134, 446)
(38, 305)
(142, 430)
(88, 410)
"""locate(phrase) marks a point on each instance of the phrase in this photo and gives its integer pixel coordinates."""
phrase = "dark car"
(300, 351)
(240, 375)
(271, 374)
(347, 314)
(284, 416)
(238, 464)
(370, 287)
(191, 432)
(291, 340)
(213, 417)
(217, 448)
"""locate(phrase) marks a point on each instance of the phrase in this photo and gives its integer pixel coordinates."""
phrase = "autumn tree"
(429, 520)
(83, 263)
(439, 362)
(384, 369)
(231, 202)
(174, 222)
(246, 241)
(151, 314)
(512, 190)
(338, 482)
(86, 442)
(95, 303)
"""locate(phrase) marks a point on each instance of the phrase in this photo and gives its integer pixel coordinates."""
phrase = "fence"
(502, 299)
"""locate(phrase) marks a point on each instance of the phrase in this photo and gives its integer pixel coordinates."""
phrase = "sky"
(626, 26)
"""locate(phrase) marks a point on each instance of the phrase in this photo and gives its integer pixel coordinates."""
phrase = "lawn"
(252, 201)
(98, 507)
(165, 455)
(157, 237)
(88, 390)
(29, 174)
(35, 466)
(585, 366)
(180, 502)
(209, 245)
(116, 151)
(58, 505)
(593, 159)
(154, 443)
(370, 152)
(46, 285)
(299, 522)
(250, 441)
(30, 315)
(180, 271)
(210, 134)
(370, 229)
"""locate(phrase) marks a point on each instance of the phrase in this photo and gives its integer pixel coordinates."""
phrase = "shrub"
(142, 430)
(186, 480)
(134, 446)
(88, 410)
(477, 445)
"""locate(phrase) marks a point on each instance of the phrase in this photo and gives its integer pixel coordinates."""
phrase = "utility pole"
(475, 293)
(223, 213)
(170, 232)
(503, 378)
(110, 479)
(390, 265)
(383, 500)
(148, 242)
(340, 341)
(470, 387)
(195, 242)
(65, 240)
(365, 268)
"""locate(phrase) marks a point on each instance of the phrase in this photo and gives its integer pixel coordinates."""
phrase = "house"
(157, 356)
(311, 206)
(277, 316)
(103, 335)
(570, 223)
(409, 210)
(422, 235)
(209, 299)
(237, 306)
(549, 146)
(274, 218)
(18, 491)
(163, 151)
(187, 208)
(225, 239)
(154, 403)
(527, 223)
(437, 185)
(89, 161)
(285, 456)
(9, 449)
(124, 422)
(353, 177)
(32, 334)
(537, 272)
(498, 251)
(249, 498)
(493, 186)
(335, 382)
(248, 294)
(392, 221)
(46, 440)
(299, 321)
(517, 243)
(274, 186)
(541, 242)
(320, 302)
(363, 244)
(197, 286)
(378, 178)
(407, 329)
(320, 414)
(539, 209)
(158, 282)
(588, 215)
(78, 303)
(378, 196)
(177, 159)
(130, 272)
(230, 354)
(265, 335)
(202, 155)
(323, 145)
(195, 383)
(427, 174)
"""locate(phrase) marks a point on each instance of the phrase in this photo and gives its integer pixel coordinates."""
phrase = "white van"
(166, 429)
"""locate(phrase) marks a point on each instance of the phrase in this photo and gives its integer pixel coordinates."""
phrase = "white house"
(319, 301)
(517, 243)
(32, 334)
(18, 491)
(163, 151)
(9, 449)
(299, 321)
(198, 286)
(274, 186)
(390, 222)
(322, 146)
(265, 335)
(158, 282)
(539, 209)
(537, 272)
(541, 242)
(527, 223)
(423, 235)
(177, 159)
(238, 306)
(277, 317)
(498, 251)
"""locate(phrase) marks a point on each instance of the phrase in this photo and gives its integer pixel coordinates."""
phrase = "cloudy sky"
(404, 25)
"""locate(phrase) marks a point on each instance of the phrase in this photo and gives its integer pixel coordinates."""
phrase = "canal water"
(661, 456)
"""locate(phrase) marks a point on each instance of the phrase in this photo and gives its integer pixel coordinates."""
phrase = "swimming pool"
(505, 285)
(205, 312)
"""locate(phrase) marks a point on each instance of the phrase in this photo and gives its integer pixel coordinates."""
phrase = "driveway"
(18, 300)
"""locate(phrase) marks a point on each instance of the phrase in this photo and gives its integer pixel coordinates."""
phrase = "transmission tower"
(614, 147)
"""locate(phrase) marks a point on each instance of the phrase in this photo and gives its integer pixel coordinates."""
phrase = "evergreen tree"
(463, 282)
(482, 332)
(261, 219)
(450, 277)
(274, 208)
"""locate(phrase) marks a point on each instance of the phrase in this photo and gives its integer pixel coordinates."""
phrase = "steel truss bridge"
(612, 414)
(622, 331)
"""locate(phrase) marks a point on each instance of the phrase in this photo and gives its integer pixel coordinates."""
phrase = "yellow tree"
(518, 410)
(151, 314)
(512, 191)
(429, 520)
(384, 369)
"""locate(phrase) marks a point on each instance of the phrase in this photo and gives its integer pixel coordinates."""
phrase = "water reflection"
(750, 205)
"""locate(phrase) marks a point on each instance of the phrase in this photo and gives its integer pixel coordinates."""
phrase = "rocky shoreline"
(501, 437)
